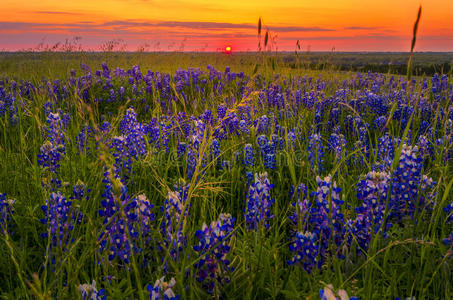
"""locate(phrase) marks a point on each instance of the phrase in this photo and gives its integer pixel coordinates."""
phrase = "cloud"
(48, 12)
(191, 25)
(349, 37)
(135, 31)
(136, 26)
(210, 25)
(361, 28)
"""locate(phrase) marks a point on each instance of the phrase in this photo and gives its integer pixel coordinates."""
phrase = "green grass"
(411, 261)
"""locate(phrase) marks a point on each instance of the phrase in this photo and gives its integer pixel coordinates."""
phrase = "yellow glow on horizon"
(335, 19)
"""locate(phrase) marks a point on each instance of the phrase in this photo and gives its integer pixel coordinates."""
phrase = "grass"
(410, 261)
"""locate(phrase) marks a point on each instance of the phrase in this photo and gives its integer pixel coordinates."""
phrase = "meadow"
(252, 176)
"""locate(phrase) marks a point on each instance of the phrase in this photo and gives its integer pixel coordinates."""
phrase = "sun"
(228, 49)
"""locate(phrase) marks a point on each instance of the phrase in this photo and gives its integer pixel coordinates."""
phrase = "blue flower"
(162, 290)
(259, 202)
(317, 225)
(316, 152)
(89, 292)
(59, 219)
(249, 156)
(306, 250)
(125, 217)
(52, 151)
(372, 193)
(130, 145)
(175, 212)
(328, 293)
(448, 241)
(6, 209)
(212, 249)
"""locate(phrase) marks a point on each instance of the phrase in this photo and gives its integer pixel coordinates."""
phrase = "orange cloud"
(347, 25)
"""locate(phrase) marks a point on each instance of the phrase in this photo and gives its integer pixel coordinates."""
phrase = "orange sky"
(206, 25)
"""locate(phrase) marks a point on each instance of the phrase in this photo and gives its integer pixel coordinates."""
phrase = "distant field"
(50, 64)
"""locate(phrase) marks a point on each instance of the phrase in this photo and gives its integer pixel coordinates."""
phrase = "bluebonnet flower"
(372, 193)
(8, 105)
(249, 156)
(59, 219)
(301, 206)
(50, 156)
(80, 191)
(83, 138)
(448, 241)
(145, 215)
(105, 70)
(262, 141)
(318, 225)
(263, 124)
(65, 118)
(196, 139)
(213, 248)
(328, 293)
(5, 213)
(449, 210)
(291, 136)
(409, 186)
(207, 117)
(244, 127)
(181, 149)
(250, 177)
(221, 111)
(259, 202)
(52, 150)
(316, 152)
(215, 150)
(123, 217)
(175, 212)
(54, 131)
(267, 151)
(306, 250)
(359, 153)
(162, 290)
(338, 145)
(425, 146)
(386, 151)
(380, 122)
(90, 292)
(48, 106)
(130, 145)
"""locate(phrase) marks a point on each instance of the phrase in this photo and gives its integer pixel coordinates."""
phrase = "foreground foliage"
(209, 183)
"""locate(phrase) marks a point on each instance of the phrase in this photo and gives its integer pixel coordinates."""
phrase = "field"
(248, 176)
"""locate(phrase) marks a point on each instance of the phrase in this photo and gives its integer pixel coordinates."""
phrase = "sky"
(210, 25)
